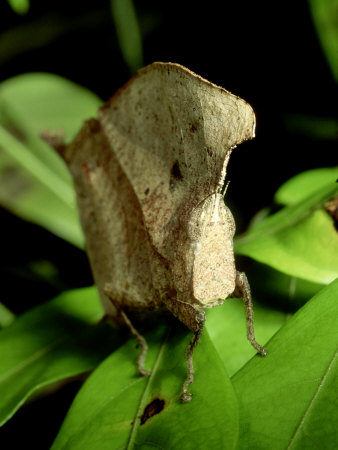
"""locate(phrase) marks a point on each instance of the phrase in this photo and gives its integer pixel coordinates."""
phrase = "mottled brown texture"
(149, 175)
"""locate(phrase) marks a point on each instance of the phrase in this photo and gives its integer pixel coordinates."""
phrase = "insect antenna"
(224, 189)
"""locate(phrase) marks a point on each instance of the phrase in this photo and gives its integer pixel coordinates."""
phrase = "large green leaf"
(289, 399)
(34, 181)
(110, 411)
(299, 240)
(52, 342)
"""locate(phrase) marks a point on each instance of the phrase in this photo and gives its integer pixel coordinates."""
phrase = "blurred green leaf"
(106, 414)
(34, 102)
(19, 6)
(31, 190)
(271, 285)
(304, 184)
(128, 33)
(227, 329)
(34, 182)
(278, 289)
(324, 15)
(299, 240)
(289, 399)
(52, 342)
(321, 128)
(6, 316)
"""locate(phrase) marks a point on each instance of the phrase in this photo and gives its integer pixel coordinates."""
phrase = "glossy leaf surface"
(118, 409)
(289, 399)
(52, 342)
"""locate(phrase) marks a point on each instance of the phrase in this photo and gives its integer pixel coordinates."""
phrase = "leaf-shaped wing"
(173, 132)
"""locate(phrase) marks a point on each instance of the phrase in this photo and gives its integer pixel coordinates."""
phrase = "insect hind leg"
(109, 292)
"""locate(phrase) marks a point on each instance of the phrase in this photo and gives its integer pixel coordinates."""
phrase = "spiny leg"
(139, 338)
(186, 396)
(194, 319)
(243, 290)
(142, 343)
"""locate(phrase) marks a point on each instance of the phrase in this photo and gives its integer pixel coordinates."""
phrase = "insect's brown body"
(148, 175)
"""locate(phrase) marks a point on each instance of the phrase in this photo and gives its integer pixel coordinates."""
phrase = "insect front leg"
(243, 290)
(111, 294)
(185, 395)
(194, 319)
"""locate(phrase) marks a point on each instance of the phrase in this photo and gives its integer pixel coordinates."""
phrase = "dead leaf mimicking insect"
(149, 175)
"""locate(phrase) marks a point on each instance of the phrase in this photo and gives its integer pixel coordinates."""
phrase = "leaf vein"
(146, 390)
(314, 398)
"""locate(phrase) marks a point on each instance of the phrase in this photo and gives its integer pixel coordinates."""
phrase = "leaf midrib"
(310, 405)
(95, 413)
(141, 407)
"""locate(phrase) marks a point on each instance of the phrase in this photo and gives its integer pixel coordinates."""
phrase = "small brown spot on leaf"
(153, 408)
(146, 192)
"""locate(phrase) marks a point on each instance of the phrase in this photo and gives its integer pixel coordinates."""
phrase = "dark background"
(266, 52)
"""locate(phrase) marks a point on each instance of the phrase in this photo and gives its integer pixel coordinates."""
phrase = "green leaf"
(52, 342)
(305, 184)
(299, 240)
(321, 128)
(35, 193)
(278, 289)
(107, 412)
(19, 6)
(34, 182)
(6, 316)
(324, 15)
(128, 33)
(289, 399)
(227, 330)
